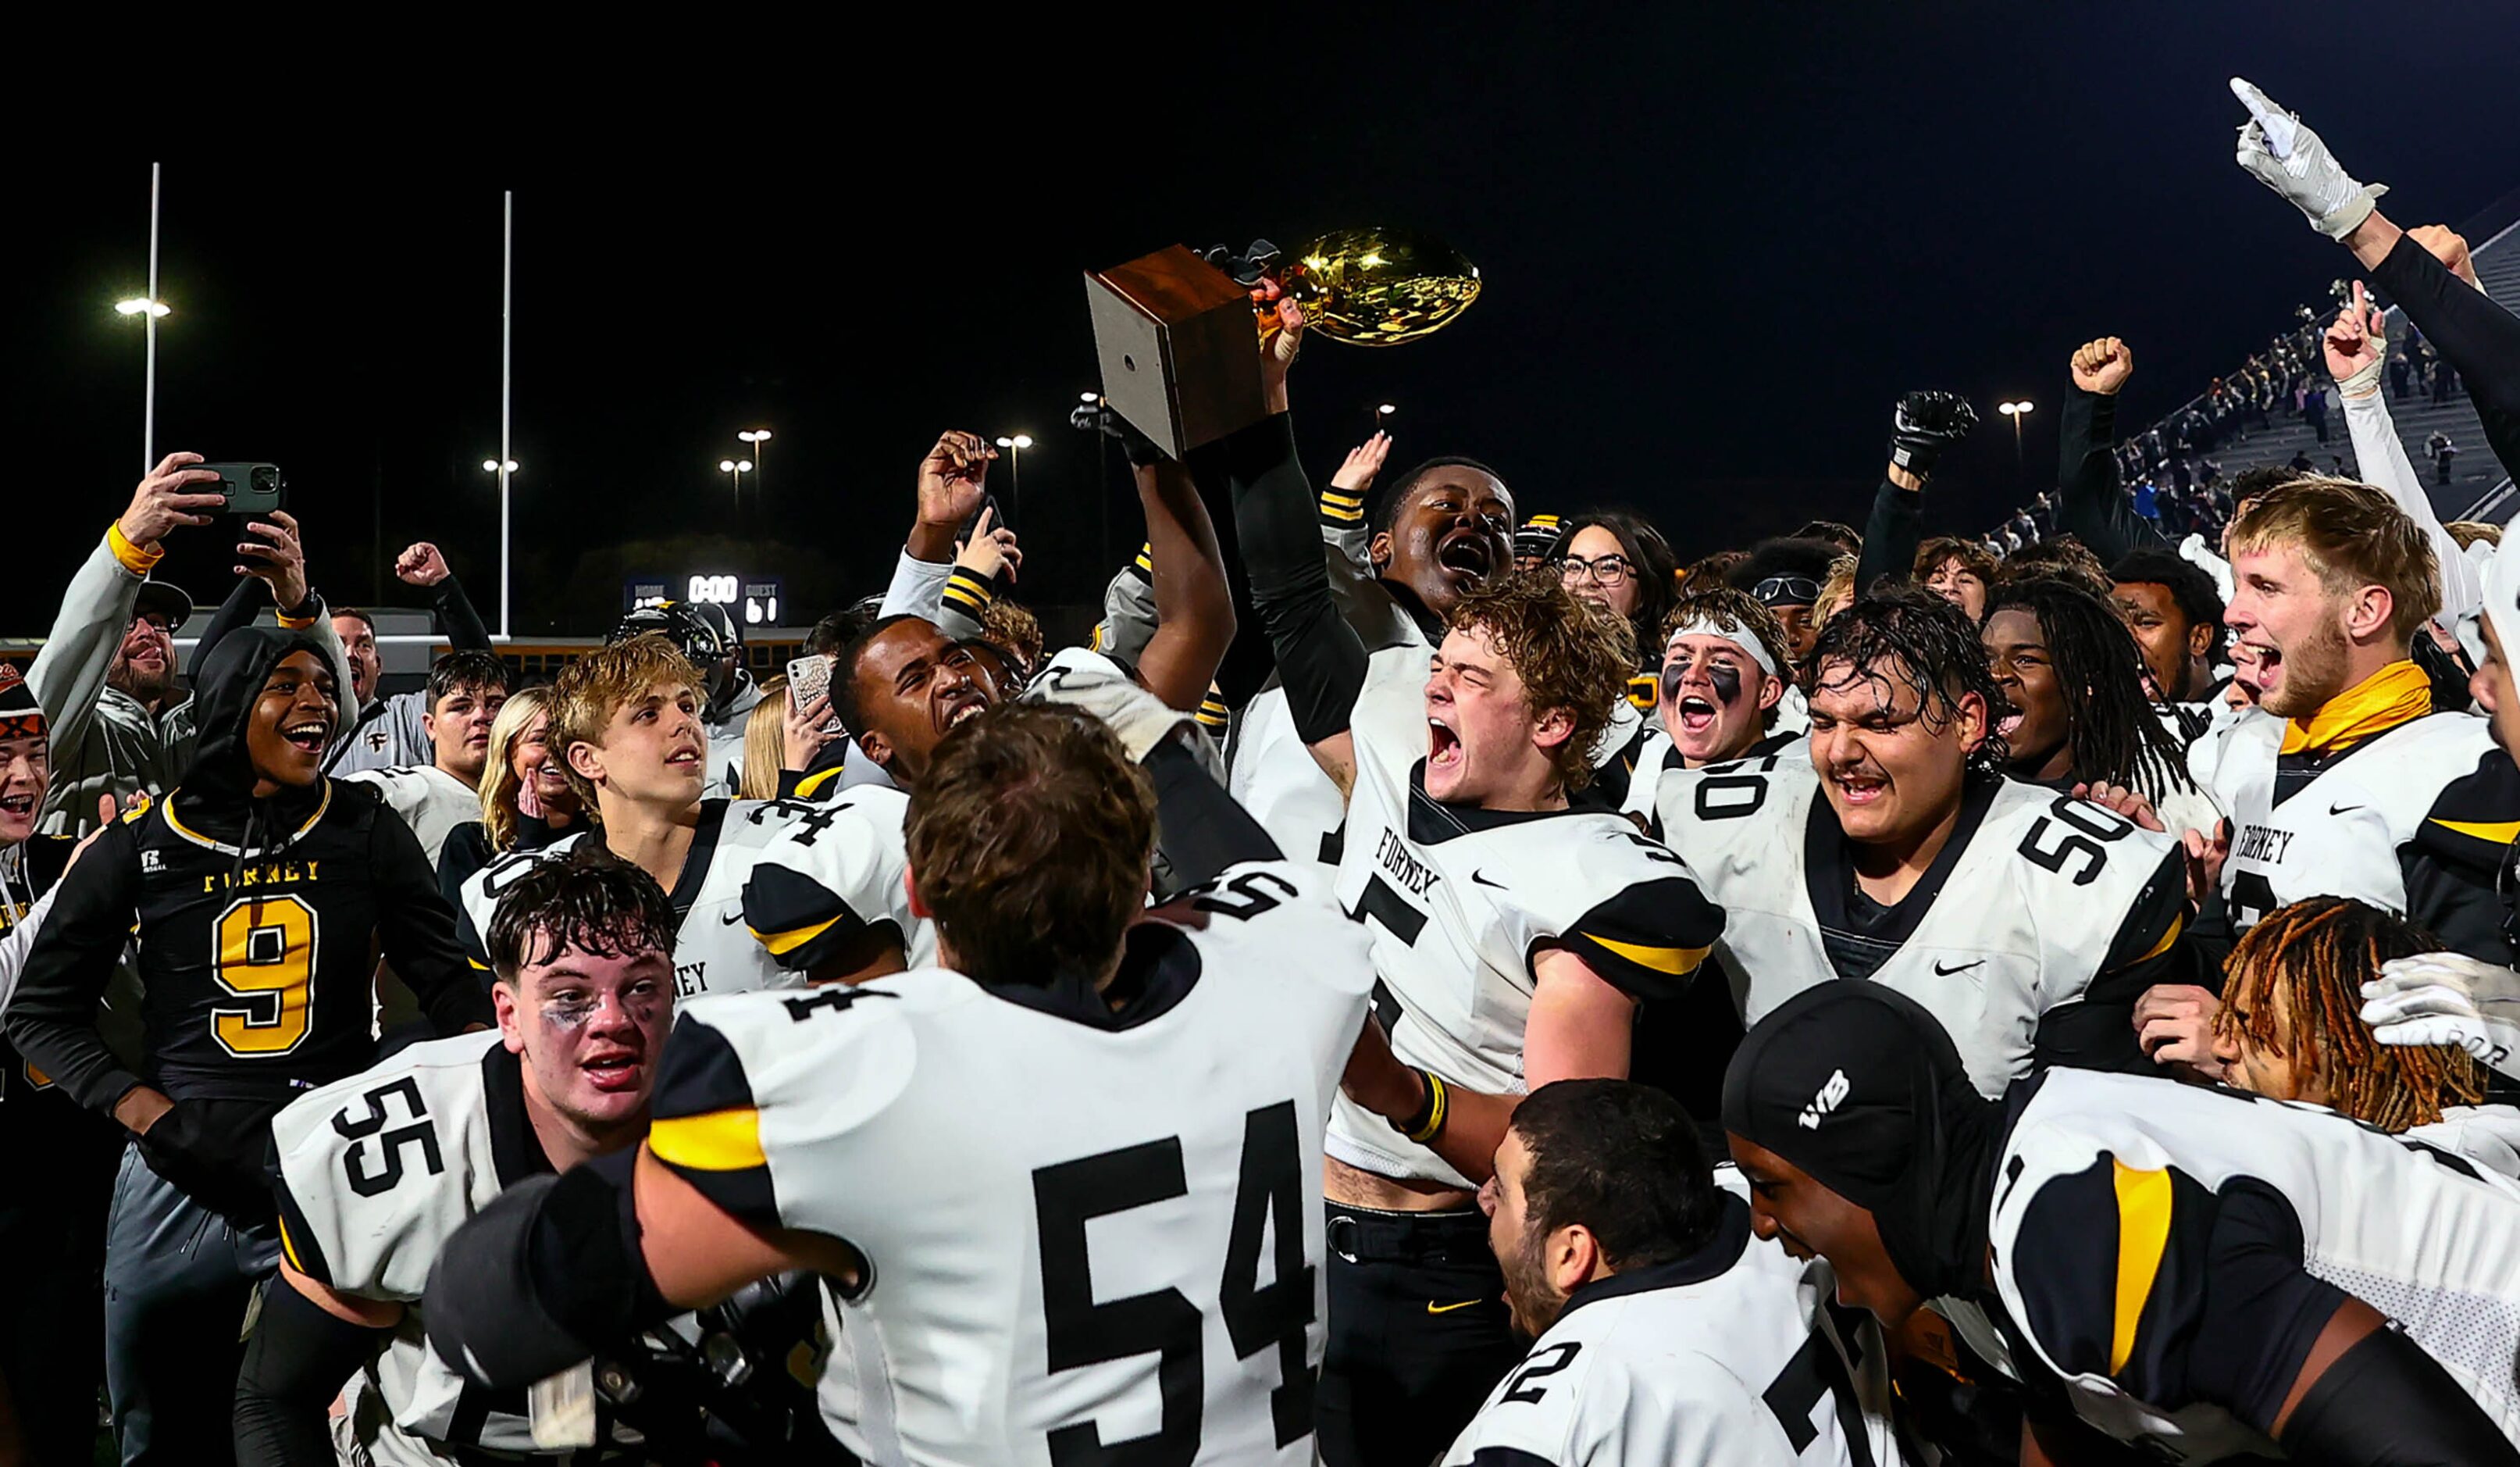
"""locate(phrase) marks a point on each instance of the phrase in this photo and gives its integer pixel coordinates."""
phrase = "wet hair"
(479, 671)
(592, 902)
(2117, 734)
(2318, 953)
(2190, 589)
(2063, 558)
(1569, 653)
(1030, 838)
(1657, 569)
(1623, 1159)
(1916, 638)
(1384, 509)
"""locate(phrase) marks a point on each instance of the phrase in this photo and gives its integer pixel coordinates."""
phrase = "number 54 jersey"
(1091, 1223)
(2030, 938)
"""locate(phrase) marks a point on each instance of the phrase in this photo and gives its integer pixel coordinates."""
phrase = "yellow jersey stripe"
(782, 944)
(2178, 925)
(962, 598)
(1671, 961)
(716, 1141)
(812, 783)
(2144, 1231)
(288, 1248)
(1343, 501)
(2499, 832)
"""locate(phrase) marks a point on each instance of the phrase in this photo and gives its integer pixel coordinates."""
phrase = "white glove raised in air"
(2289, 159)
(2448, 998)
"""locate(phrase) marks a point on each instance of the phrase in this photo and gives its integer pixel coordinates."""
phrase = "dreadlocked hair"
(1915, 638)
(2117, 734)
(2318, 954)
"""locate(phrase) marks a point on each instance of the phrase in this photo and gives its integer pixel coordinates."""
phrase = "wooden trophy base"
(1179, 346)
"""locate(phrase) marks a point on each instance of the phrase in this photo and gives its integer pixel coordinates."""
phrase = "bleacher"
(2478, 489)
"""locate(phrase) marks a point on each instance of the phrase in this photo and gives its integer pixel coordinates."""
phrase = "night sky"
(1718, 241)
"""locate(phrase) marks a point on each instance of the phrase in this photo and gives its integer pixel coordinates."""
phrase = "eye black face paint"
(1728, 682)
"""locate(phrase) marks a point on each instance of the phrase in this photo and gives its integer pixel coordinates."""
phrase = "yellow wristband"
(1439, 1101)
(135, 559)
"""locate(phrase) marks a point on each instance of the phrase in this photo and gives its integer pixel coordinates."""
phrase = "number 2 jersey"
(2415, 820)
(1461, 902)
(2038, 925)
(1734, 1355)
(1081, 1223)
(2118, 1199)
(769, 887)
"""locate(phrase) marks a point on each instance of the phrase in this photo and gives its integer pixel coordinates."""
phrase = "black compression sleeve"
(1891, 536)
(2092, 503)
(1319, 658)
(1201, 829)
(456, 617)
(2386, 1403)
(295, 1364)
(2472, 333)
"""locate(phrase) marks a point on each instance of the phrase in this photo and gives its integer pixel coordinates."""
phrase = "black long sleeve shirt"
(2477, 337)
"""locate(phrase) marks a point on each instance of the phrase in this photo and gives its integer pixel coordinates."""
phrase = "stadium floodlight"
(492, 466)
(1089, 398)
(138, 304)
(726, 466)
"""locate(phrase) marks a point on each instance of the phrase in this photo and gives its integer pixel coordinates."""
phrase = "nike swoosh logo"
(1432, 1307)
(1942, 971)
(2339, 809)
(1500, 886)
(729, 919)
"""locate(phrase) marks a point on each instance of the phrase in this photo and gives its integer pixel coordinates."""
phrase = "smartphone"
(809, 678)
(249, 489)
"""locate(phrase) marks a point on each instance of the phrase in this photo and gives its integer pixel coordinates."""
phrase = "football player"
(1665, 1332)
(2026, 920)
(2196, 1271)
(256, 892)
(703, 635)
(1132, 1104)
(2176, 616)
(1514, 934)
(49, 1345)
(375, 1171)
(770, 892)
(1725, 670)
(465, 690)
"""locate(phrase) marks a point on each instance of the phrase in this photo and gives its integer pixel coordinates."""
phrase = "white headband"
(1739, 636)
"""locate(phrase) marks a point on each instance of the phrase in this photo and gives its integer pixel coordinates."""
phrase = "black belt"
(1371, 1235)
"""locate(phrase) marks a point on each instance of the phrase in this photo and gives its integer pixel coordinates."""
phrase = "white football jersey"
(1082, 1225)
(2347, 832)
(1736, 1356)
(769, 886)
(2111, 1189)
(1461, 902)
(1272, 773)
(430, 800)
(1081, 678)
(376, 1171)
(2035, 897)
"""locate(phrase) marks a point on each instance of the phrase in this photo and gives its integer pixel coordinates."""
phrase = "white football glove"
(2289, 159)
(2448, 998)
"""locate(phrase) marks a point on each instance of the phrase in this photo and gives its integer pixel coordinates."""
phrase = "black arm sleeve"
(2386, 1403)
(416, 927)
(2092, 505)
(1891, 536)
(52, 1019)
(1321, 661)
(1199, 829)
(294, 1364)
(251, 595)
(2474, 335)
(456, 617)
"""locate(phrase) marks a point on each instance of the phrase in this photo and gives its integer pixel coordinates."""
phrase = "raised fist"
(2104, 366)
(1924, 425)
(420, 565)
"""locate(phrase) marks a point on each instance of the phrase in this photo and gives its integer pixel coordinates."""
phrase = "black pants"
(1418, 1334)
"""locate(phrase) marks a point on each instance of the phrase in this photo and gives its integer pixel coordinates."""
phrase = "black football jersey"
(255, 966)
(32, 1108)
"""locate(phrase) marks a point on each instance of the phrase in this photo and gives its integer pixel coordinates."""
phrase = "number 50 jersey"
(2030, 936)
(1088, 1221)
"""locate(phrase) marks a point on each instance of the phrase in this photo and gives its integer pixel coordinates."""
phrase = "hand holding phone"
(809, 678)
(248, 489)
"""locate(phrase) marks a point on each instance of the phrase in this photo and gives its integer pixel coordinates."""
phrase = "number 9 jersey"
(1090, 1223)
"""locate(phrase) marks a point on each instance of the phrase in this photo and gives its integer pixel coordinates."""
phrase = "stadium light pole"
(148, 308)
(506, 463)
(2017, 411)
(1015, 469)
(739, 467)
(1382, 415)
(757, 436)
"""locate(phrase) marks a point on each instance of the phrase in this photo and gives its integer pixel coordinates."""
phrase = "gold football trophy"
(1175, 330)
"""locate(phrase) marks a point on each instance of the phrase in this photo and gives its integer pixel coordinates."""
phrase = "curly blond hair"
(1569, 653)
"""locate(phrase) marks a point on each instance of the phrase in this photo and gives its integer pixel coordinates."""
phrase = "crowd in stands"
(1449, 974)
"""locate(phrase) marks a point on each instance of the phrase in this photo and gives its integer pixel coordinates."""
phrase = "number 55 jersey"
(2031, 936)
(1091, 1223)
